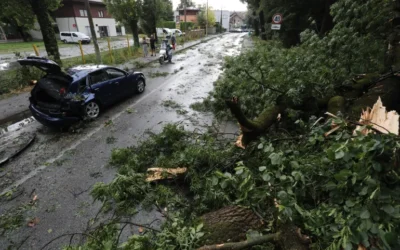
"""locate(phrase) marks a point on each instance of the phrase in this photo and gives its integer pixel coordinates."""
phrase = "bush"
(18, 78)
(168, 24)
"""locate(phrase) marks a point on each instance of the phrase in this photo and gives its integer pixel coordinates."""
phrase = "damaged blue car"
(60, 98)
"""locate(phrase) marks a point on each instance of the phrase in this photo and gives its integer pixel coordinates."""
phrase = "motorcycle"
(165, 52)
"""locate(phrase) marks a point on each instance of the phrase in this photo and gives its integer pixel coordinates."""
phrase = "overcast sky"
(216, 4)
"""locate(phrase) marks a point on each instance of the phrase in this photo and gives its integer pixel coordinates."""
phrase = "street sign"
(275, 27)
(277, 19)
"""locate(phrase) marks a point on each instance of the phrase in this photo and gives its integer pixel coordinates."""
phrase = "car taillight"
(62, 91)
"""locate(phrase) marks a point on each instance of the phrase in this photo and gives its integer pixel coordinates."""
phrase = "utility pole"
(184, 12)
(93, 32)
(221, 20)
(207, 18)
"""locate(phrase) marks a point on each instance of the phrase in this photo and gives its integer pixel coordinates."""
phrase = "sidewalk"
(17, 106)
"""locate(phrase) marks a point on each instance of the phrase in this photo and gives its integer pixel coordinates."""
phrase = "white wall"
(82, 24)
(225, 17)
(66, 24)
(35, 32)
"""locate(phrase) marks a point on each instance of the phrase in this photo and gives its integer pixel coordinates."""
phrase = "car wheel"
(140, 86)
(64, 41)
(92, 110)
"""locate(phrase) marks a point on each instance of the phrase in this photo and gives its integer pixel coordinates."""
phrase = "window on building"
(101, 14)
(83, 12)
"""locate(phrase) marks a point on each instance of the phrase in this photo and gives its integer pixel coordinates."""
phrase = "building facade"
(191, 15)
(72, 16)
(237, 20)
(225, 18)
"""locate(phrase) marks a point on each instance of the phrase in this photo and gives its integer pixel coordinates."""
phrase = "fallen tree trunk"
(230, 224)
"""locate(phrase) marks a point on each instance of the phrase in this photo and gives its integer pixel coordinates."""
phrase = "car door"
(75, 38)
(118, 78)
(101, 85)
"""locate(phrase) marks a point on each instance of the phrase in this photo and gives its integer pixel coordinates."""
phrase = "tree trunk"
(22, 32)
(135, 31)
(393, 55)
(40, 9)
(327, 21)
(262, 25)
(230, 224)
(256, 24)
(93, 32)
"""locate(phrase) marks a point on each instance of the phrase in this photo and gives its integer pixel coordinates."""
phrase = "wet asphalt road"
(61, 168)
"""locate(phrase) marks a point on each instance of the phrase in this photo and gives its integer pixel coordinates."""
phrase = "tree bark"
(256, 25)
(40, 9)
(327, 21)
(230, 224)
(393, 55)
(93, 32)
(262, 25)
(135, 32)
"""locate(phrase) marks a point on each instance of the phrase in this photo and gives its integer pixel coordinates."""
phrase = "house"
(237, 20)
(191, 14)
(225, 17)
(72, 16)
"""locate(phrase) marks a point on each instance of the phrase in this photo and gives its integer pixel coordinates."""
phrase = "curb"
(26, 113)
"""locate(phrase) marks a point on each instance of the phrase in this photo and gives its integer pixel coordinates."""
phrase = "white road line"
(73, 146)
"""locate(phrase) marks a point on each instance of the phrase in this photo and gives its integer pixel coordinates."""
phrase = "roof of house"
(190, 8)
(240, 14)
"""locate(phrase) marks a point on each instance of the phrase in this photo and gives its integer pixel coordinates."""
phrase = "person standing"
(144, 46)
(153, 45)
(173, 41)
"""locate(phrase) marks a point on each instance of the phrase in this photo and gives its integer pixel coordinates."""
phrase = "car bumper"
(52, 121)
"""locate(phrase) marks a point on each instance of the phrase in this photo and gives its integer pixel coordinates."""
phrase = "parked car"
(60, 99)
(74, 37)
(177, 32)
(164, 33)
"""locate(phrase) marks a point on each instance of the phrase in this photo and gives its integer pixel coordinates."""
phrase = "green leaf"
(214, 180)
(282, 195)
(372, 196)
(343, 175)
(365, 214)
(294, 164)
(260, 146)
(276, 159)
(364, 191)
(339, 155)
(261, 169)
(266, 176)
(330, 185)
(224, 184)
(389, 209)
(391, 238)
(350, 203)
(199, 227)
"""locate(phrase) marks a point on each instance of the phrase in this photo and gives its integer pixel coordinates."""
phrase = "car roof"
(81, 71)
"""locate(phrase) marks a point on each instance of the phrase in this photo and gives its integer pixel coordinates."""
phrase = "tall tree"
(204, 17)
(188, 3)
(42, 9)
(154, 12)
(127, 12)
(18, 14)
(93, 32)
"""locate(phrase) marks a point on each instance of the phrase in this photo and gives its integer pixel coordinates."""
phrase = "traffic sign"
(277, 19)
(275, 27)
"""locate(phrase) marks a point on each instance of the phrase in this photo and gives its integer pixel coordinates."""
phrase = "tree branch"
(261, 83)
(243, 244)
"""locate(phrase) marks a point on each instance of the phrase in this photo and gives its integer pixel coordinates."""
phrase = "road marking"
(78, 142)
(73, 146)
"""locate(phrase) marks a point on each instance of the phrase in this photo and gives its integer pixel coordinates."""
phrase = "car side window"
(98, 76)
(74, 35)
(82, 85)
(114, 73)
